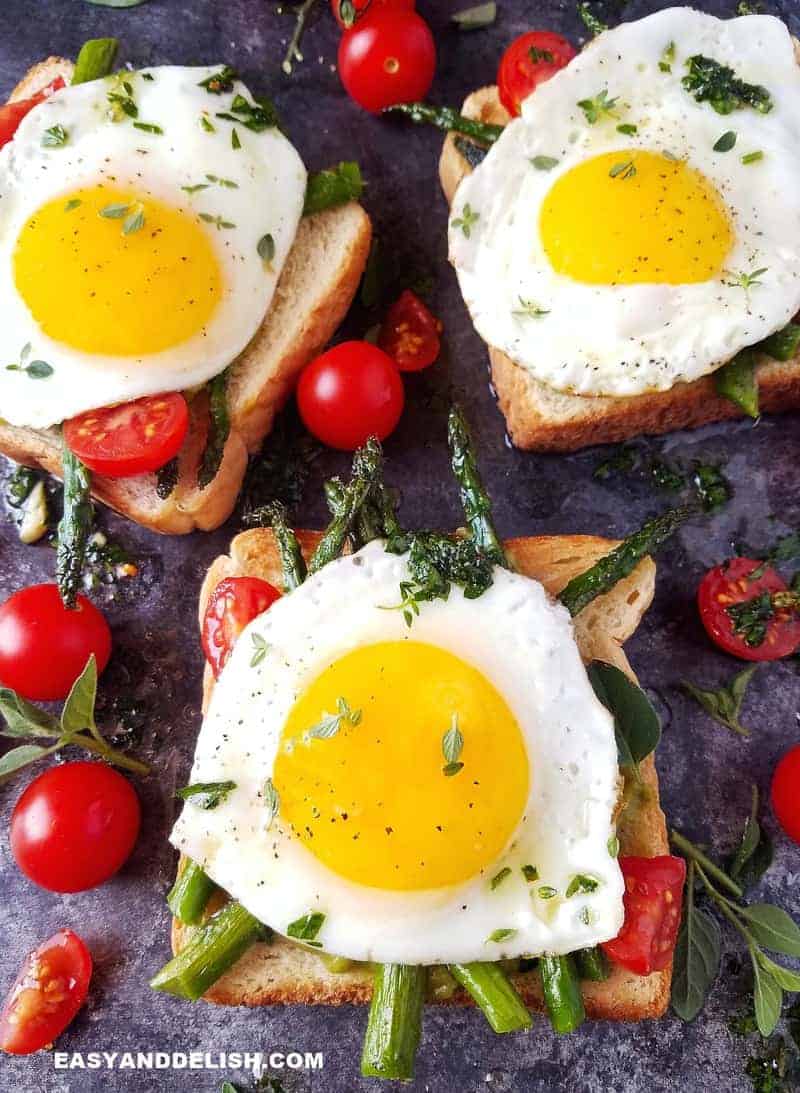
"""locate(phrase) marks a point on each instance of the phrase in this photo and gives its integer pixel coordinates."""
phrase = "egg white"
(268, 199)
(523, 643)
(626, 339)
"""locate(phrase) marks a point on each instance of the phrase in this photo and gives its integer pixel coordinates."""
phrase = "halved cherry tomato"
(652, 901)
(786, 793)
(387, 58)
(731, 583)
(348, 12)
(234, 603)
(530, 60)
(410, 333)
(44, 646)
(47, 994)
(131, 438)
(13, 112)
(75, 826)
(350, 393)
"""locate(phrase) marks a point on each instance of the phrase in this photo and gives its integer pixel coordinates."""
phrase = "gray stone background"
(706, 772)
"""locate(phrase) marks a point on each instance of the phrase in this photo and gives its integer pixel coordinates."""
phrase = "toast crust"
(544, 420)
(283, 972)
(316, 286)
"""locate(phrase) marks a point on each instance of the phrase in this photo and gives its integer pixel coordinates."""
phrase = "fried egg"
(433, 793)
(622, 236)
(144, 222)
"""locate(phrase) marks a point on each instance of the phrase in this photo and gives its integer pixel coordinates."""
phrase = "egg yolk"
(106, 271)
(372, 801)
(631, 217)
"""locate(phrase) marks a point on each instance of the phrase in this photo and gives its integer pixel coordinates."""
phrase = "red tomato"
(131, 438)
(234, 602)
(786, 793)
(44, 646)
(652, 900)
(348, 12)
(13, 112)
(530, 60)
(386, 59)
(47, 994)
(410, 334)
(75, 826)
(349, 394)
(730, 583)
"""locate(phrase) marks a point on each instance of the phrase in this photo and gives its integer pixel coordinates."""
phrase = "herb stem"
(111, 755)
(705, 863)
(293, 53)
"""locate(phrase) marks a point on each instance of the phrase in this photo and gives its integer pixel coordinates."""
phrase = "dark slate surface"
(706, 772)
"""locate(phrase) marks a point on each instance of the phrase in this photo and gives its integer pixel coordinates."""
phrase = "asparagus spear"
(74, 528)
(189, 895)
(493, 991)
(562, 992)
(211, 951)
(448, 119)
(274, 515)
(603, 575)
(218, 432)
(95, 60)
(367, 466)
(167, 478)
(394, 1025)
(592, 964)
(475, 500)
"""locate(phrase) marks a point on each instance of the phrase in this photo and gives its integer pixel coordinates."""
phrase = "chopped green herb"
(236, 144)
(207, 795)
(667, 57)
(627, 129)
(725, 142)
(599, 107)
(750, 618)
(752, 157)
(613, 846)
(35, 370)
(590, 20)
(741, 279)
(114, 211)
(500, 935)
(55, 137)
(530, 873)
(307, 927)
(227, 183)
(712, 487)
(266, 249)
(467, 221)
(148, 127)
(272, 802)
(529, 309)
(544, 163)
(436, 562)
(624, 169)
(333, 187)
(260, 650)
(330, 723)
(134, 222)
(219, 82)
(205, 123)
(72, 204)
(481, 15)
(544, 891)
(498, 878)
(709, 81)
(217, 221)
(537, 55)
(452, 746)
(581, 883)
(196, 188)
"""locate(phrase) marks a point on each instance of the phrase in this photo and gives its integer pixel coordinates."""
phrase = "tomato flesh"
(652, 901)
(410, 333)
(732, 583)
(234, 603)
(75, 826)
(387, 58)
(131, 438)
(44, 646)
(530, 60)
(349, 12)
(350, 393)
(47, 994)
(13, 112)
(786, 793)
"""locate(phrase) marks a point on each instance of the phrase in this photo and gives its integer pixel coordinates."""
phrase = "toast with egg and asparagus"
(305, 270)
(737, 86)
(586, 586)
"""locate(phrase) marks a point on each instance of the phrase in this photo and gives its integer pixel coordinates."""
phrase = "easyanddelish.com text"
(259, 1062)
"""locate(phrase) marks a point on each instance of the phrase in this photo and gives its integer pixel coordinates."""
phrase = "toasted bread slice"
(317, 283)
(286, 972)
(541, 419)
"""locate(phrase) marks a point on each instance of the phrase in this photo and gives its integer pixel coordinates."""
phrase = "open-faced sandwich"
(167, 267)
(425, 772)
(629, 246)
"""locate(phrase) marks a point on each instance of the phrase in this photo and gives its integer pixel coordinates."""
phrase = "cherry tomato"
(47, 994)
(13, 112)
(131, 438)
(349, 394)
(410, 334)
(44, 646)
(786, 793)
(75, 826)
(530, 60)
(386, 59)
(234, 603)
(731, 583)
(652, 900)
(348, 12)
